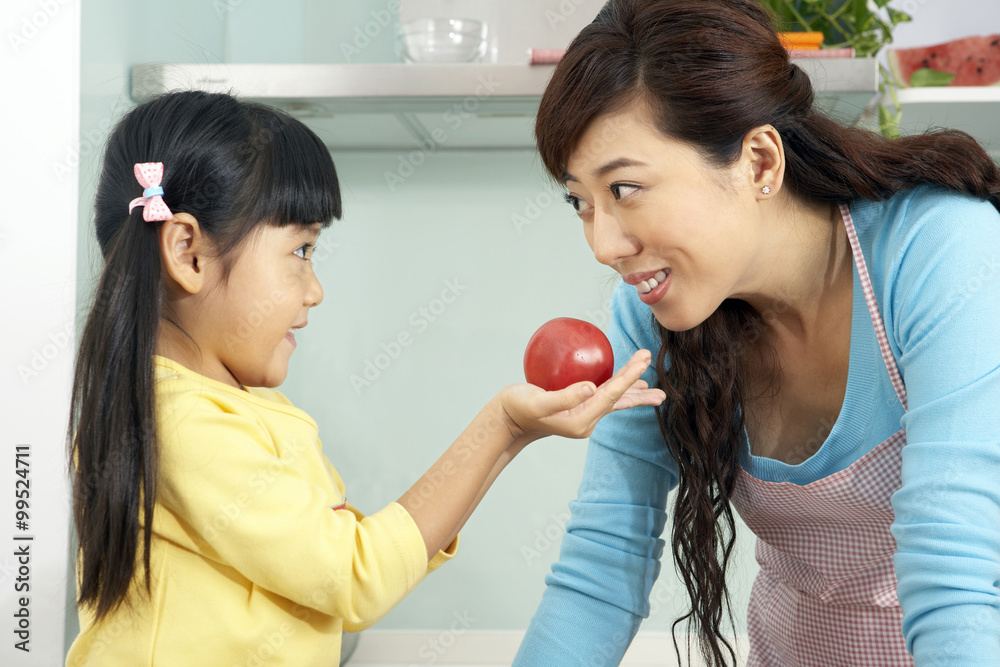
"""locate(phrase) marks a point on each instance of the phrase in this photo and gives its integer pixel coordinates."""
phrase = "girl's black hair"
(232, 165)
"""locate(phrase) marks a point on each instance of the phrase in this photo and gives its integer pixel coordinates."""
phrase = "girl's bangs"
(296, 179)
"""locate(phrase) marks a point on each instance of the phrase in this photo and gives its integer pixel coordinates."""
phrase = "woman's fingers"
(610, 393)
(628, 375)
(575, 410)
(636, 397)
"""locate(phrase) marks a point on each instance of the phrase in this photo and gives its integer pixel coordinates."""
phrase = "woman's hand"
(574, 411)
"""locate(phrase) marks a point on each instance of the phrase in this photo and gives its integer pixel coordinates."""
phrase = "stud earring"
(766, 189)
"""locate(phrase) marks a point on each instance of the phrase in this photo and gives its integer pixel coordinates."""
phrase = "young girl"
(212, 529)
(824, 306)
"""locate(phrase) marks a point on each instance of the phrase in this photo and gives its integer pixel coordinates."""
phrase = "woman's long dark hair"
(233, 166)
(712, 70)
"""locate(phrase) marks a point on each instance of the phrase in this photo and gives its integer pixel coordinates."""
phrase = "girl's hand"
(574, 411)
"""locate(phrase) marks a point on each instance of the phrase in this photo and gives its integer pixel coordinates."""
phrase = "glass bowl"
(441, 41)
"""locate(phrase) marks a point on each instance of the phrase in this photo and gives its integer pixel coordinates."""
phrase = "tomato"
(566, 350)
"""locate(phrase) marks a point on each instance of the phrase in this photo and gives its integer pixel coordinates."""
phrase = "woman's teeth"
(647, 286)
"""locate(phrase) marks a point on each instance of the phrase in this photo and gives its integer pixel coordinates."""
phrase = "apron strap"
(883, 340)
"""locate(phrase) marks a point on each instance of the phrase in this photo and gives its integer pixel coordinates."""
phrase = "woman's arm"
(446, 495)
(943, 295)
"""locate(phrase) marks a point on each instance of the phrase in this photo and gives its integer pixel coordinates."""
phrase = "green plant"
(864, 25)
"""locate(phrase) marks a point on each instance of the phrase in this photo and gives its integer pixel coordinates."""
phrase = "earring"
(766, 189)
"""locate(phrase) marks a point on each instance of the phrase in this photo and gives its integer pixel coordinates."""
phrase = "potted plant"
(864, 25)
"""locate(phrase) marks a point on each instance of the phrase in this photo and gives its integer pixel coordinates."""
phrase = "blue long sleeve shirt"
(934, 261)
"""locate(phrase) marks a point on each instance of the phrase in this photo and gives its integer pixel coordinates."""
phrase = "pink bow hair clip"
(150, 175)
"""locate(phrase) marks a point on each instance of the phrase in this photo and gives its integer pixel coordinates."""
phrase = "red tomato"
(566, 350)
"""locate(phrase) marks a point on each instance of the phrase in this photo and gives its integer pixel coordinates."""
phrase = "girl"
(824, 304)
(212, 529)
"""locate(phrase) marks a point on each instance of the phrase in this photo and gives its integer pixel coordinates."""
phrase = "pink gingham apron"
(826, 592)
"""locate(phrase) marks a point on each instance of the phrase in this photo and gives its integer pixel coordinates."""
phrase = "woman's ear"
(765, 154)
(184, 251)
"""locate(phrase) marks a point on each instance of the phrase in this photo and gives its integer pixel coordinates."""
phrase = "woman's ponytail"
(830, 162)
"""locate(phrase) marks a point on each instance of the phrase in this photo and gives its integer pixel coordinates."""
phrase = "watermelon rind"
(926, 77)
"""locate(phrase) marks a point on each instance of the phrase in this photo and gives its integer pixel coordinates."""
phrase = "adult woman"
(819, 297)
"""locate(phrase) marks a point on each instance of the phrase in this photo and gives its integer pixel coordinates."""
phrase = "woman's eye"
(303, 250)
(622, 190)
(578, 204)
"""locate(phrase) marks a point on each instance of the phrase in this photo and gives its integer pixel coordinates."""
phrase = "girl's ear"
(184, 251)
(763, 150)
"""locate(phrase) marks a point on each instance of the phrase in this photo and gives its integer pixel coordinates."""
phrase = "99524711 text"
(22, 547)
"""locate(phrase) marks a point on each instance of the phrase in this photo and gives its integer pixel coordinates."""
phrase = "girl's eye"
(622, 190)
(304, 250)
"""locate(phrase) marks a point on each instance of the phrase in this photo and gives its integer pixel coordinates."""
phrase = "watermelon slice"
(975, 61)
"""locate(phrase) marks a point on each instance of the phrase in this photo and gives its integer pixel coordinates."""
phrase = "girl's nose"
(314, 295)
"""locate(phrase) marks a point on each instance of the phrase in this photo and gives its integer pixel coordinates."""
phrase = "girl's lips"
(290, 337)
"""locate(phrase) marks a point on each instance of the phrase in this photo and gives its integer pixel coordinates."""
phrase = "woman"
(824, 304)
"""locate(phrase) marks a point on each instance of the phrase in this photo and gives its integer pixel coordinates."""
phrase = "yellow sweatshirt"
(252, 563)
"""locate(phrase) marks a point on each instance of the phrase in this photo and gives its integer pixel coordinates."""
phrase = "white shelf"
(406, 106)
(972, 109)
(949, 94)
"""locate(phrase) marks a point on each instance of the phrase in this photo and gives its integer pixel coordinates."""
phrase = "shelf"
(408, 106)
(972, 109)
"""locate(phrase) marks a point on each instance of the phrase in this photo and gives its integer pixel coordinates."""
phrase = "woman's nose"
(609, 241)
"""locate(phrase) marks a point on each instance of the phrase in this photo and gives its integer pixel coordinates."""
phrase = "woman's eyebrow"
(617, 163)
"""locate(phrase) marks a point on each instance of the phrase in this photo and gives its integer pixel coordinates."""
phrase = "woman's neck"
(808, 276)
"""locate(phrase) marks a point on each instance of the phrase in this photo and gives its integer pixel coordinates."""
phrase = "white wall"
(39, 77)
(936, 21)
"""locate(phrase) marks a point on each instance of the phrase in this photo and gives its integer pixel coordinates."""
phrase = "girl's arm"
(446, 495)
